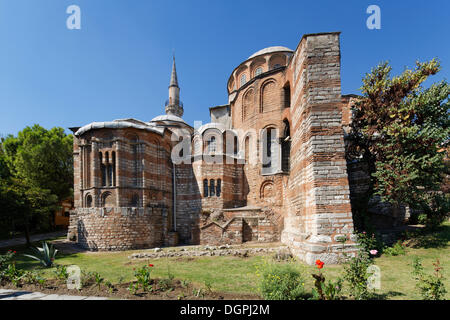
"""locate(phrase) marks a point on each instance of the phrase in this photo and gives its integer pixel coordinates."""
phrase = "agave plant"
(45, 255)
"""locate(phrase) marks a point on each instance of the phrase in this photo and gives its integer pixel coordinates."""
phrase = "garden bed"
(176, 291)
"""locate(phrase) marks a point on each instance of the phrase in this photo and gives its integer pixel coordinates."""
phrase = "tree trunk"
(27, 235)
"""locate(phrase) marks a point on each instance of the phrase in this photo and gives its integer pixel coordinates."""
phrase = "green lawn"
(238, 275)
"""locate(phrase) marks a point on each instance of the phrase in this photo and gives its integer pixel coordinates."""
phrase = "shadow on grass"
(387, 295)
(437, 239)
(22, 262)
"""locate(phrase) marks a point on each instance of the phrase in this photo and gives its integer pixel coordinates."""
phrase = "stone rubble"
(224, 250)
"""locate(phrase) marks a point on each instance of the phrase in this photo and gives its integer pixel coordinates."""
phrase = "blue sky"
(118, 65)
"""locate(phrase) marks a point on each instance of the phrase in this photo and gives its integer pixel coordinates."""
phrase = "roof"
(119, 124)
(269, 50)
(168, 117)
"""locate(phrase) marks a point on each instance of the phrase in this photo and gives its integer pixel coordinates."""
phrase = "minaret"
(174, 106)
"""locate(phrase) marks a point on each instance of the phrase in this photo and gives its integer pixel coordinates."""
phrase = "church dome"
(168, 117)
(269, 50)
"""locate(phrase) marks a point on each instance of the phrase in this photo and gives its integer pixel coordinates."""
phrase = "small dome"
(269, 50)
(168, 117)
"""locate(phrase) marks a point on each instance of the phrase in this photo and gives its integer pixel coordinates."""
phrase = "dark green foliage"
(45, 255)
(400, 130)
(282, 282)
(36, 173)
(357, 275)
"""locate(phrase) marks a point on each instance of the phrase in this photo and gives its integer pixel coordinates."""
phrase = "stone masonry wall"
(320, 210)
(121, 228)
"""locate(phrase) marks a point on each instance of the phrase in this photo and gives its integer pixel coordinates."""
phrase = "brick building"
(269, 167)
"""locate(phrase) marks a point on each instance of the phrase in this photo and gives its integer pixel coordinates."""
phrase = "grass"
(238, 275)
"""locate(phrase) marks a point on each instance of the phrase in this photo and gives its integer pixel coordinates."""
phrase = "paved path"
(6, 294)
(33, 238)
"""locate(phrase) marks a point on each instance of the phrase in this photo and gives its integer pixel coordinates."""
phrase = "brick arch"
(256, 63)
(241, 71)
(267, 190)
(135, 200)
(230, 142)
(231, 84)
(249, 147)
(248, 103)
(269, 96)
(132, 137)
(88, 201)
(208, 134)
(107, 200)
(277, 59)
(197, 144)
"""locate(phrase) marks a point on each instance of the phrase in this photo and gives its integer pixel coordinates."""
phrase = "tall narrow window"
(102, 170)
(219, 187)
(247, 149)
(267, 155)
(212, 145)
(113, 169)
(108, 169)
(286, 147)
(287, 96)
(89, 201)
(212, 188)
(258, 71)
(205, 188)
(243, 79)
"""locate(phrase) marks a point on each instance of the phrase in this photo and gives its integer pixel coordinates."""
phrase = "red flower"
(319, 264)
(150, 265)
(14, 252)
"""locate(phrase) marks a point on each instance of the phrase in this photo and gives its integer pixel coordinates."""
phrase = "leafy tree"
(39, 166)
(400, 130)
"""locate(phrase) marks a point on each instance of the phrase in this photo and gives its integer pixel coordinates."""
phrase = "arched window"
(88, 201)
(113, 178)
(205, 188)
(286, 147)
(219, 187)
(276, 66)
(271, 151)
(258, 71)
(212, 189)
(212, 145)
(247, 149)
(287, 95)
(243, 79)
(134, 202)
(102, 169)
(267, 154)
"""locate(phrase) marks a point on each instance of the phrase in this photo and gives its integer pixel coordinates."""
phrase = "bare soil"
(175, 291)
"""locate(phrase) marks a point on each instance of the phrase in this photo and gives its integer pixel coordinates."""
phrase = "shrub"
(45, 255)
(369, 241)
(435, 210)
(282, 282)
(143, 278)
(356, 274)
(61, 272)
(6, 259)
(431, 287)
(397, 249)
(11, 273)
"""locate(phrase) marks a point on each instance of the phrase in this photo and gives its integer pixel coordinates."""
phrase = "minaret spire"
(174, 106)
(173, 77)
